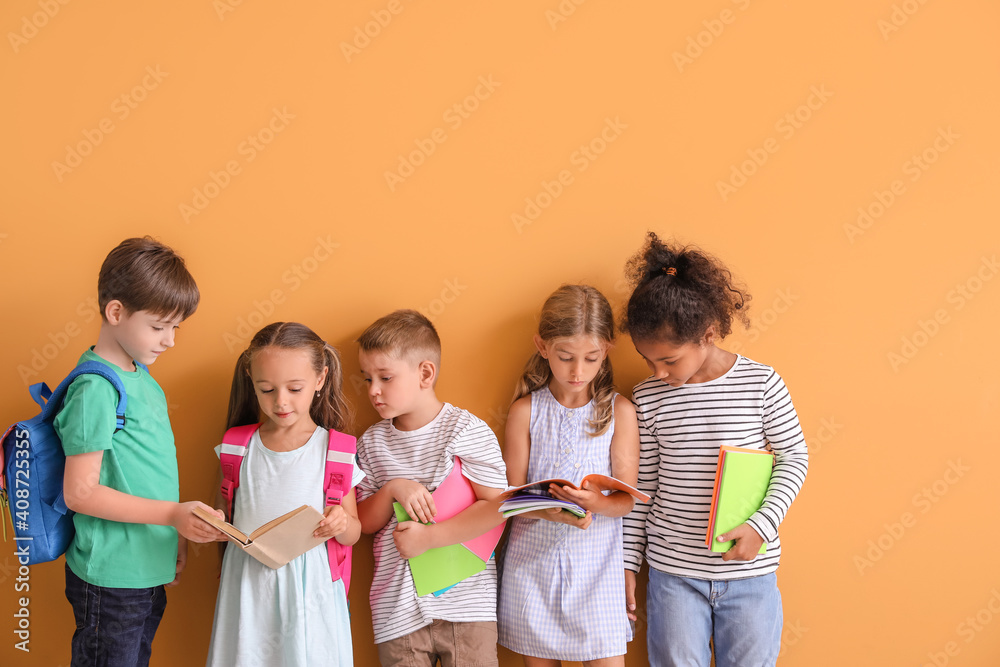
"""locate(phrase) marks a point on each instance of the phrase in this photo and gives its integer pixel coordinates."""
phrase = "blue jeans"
(114, 626)
(742, 617)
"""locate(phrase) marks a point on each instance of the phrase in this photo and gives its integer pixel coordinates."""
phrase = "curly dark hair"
(678, 292)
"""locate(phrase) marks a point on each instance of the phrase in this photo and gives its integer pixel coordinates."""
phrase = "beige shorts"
(455, 644)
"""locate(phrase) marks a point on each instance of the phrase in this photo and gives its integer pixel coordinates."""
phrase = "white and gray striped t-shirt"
(680, 432)
(427, 455)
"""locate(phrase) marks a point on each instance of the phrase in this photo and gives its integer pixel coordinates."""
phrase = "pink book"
(452, 496)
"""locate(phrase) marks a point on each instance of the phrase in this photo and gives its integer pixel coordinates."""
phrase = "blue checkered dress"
(562, 589)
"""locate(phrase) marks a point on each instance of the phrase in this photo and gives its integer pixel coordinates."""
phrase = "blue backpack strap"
(51, 402)
(41, 393)
(55, 398)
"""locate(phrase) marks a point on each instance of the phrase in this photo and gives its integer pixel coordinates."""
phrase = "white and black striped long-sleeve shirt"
(427, 455)
(680, 431)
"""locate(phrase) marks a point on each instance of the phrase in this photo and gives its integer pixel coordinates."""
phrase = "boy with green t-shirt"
(123, 486)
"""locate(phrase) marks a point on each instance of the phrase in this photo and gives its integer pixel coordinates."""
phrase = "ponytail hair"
(329, 408)
(571, 311)
(678, 292)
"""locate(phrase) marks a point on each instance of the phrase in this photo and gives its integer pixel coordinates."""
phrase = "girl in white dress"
(295, 615)
(561, 595)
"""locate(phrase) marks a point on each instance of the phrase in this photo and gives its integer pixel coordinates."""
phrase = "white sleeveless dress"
(295, 615)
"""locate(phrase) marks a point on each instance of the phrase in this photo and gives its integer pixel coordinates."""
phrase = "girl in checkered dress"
(562, 585)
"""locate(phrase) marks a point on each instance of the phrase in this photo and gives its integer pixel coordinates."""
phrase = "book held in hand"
(741, 481)
(536, 495)
(436, 570)
(276, 542)
(531, 502)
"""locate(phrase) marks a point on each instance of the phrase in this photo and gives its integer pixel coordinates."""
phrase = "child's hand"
(193, 528)
(630, 595)
(333, 523)
(410, 538)
(557, 515)
(747, 543)
(588, 497)
(182, 553)
(415, 499)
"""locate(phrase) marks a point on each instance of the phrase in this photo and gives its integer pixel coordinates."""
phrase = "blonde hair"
(329, 408)
(403, 333)
(571, 311)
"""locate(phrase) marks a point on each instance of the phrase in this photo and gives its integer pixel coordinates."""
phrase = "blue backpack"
(31, 471)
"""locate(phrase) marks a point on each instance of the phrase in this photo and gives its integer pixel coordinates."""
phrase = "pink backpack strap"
(234, 449)
(337, 484)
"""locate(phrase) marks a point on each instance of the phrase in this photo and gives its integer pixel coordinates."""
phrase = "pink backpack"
(336, 483)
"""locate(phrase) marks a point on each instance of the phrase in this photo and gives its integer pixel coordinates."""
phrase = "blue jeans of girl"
(742, 617)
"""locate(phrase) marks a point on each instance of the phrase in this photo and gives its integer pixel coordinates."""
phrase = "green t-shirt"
(140, 460)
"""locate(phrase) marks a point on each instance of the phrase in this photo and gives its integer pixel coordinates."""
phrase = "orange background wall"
(841, 157)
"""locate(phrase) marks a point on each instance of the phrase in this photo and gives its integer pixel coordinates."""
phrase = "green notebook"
(441, 568)
(740, 486)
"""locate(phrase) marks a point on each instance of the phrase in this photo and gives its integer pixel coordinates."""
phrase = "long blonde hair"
(571, 311)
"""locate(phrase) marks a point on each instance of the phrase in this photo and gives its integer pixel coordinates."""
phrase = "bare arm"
(624, 466)
(517, 441)
(85, 494)
(375, 511)
(413, 538)
(353, 531)
(624, 456)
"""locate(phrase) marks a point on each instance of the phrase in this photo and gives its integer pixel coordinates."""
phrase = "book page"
(289, 536)
(284, 517)
(602, 482)
(530, 503)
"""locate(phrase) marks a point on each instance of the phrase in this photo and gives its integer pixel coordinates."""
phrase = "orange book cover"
(742, 487)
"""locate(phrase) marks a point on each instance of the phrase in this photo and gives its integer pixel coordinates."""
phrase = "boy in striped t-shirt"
(405, 457)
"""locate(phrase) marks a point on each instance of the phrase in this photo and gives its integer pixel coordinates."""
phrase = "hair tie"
(670, 272)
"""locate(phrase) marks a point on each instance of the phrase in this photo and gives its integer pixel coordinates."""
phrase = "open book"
(536, 496)
(276, 542)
